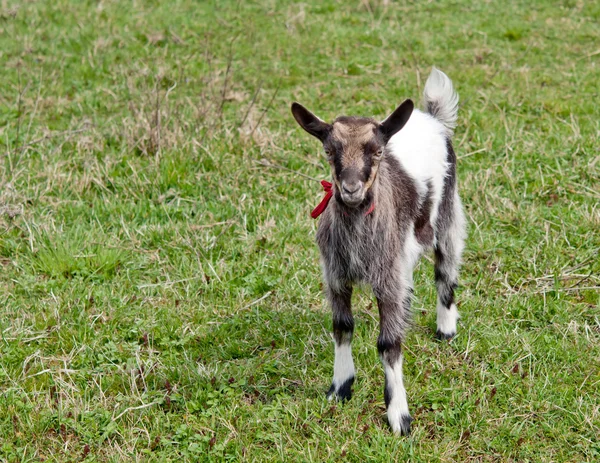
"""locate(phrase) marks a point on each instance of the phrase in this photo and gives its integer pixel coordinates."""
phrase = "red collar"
(327, 187)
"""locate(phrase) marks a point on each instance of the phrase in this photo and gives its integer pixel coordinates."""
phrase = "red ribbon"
(317, 211)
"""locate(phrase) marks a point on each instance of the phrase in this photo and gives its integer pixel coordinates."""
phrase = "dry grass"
(159, 285)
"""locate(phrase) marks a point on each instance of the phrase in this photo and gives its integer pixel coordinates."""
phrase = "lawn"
(160, 289)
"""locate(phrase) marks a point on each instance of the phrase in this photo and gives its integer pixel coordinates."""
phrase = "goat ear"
(309, 122)
(396, 120)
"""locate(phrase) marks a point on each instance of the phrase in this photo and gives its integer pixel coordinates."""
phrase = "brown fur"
(353, 136)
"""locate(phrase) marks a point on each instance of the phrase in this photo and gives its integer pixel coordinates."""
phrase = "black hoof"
(343, 393)
(443, 336)
(405, 422)
(404, 426)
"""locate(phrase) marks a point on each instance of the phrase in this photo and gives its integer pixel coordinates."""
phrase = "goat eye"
(379, 153)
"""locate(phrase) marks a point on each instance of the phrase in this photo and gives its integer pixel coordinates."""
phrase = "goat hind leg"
(448, 252)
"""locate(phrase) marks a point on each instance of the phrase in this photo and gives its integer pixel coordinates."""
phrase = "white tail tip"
(440, 100)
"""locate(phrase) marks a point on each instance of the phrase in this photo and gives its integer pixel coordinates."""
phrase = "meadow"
(160, 288)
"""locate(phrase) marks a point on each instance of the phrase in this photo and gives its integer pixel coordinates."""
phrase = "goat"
(394, 185)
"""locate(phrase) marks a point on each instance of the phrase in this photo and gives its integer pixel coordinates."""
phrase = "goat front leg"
(393, 314)
(343, 327)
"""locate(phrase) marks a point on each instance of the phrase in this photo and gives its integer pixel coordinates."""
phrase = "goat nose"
(351, 188)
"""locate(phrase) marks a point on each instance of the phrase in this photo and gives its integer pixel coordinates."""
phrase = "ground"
(160, 295)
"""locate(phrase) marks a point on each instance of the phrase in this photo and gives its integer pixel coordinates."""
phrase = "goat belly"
(423, 229)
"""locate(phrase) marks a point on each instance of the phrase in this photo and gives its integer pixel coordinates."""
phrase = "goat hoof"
(343, 392)
(402, 427)
(444, 336)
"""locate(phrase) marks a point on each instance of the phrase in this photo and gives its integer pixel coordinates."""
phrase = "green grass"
(160, 295)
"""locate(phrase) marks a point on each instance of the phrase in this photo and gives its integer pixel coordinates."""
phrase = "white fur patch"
(446, 319)
(343, 368)
(439, 91)
(412, 252)
(420, 147)
(398, 406)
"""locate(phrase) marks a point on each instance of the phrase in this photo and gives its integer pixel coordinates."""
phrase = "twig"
(210, 225)
(35, 108)
(471, 153)
(224, 91)
(156, 131)
(582, 264)
(589, 55)
(214, 272)
(265, 111)
(169, 283)
(130, 409)
(19, 110)
(21, 91)
(229, 224)
(581, 280)
(563, 276)
(570, 289)
(54, 135)
(267, 294)
(258, 89)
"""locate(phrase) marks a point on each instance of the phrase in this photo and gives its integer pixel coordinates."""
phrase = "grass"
(160, 295)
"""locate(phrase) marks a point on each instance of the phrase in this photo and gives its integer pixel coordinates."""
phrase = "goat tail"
(440, 100)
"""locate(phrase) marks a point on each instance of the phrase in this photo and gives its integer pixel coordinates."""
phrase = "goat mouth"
(353, 202)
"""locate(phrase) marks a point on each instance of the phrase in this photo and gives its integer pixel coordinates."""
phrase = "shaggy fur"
(406, 167)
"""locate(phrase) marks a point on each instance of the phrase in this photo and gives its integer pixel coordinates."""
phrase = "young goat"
(395, 197)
